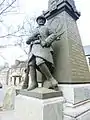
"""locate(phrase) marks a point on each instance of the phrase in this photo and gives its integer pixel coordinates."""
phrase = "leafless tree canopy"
(25, 30)
(7, 6)
(20, 34)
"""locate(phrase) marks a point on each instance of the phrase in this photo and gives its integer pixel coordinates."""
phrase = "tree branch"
(2, 2)
(7, 7)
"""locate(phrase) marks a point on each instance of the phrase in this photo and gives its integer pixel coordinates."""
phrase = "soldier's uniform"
(40, 53)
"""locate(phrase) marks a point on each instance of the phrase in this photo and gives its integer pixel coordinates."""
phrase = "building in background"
(16, 73)
(87, 54)
(4, 74)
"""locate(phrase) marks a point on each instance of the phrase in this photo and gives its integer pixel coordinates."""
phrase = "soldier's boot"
(26, 82)
(33, 83)
(50, 83)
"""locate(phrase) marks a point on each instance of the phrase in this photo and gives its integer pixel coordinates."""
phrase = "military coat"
(36, 48)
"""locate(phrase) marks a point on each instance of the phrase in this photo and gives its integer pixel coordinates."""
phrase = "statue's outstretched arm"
(33, 37)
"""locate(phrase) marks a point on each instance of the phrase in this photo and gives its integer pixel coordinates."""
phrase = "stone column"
(14, 80)
(19, 79)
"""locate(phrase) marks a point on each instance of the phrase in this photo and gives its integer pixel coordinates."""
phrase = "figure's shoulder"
(49, 29)
(35, 30)
(46, 27)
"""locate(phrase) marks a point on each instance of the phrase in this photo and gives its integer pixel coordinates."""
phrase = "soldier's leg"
(33, 75)
(50, 82)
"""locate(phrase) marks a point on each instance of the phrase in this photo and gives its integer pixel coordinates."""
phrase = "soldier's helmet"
(41, 17)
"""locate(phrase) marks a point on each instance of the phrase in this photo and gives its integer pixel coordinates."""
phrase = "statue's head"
(41, 20)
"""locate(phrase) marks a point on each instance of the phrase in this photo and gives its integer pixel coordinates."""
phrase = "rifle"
(51, 38)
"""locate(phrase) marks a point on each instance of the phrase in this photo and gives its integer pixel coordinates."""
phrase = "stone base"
(40, 93)
(77, 105)
(32, 108)
(28, 108)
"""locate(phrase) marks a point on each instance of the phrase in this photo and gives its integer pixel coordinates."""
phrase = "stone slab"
(41, 93)
(75, 94)
(85, 116)
(77, 101)
(81, 112)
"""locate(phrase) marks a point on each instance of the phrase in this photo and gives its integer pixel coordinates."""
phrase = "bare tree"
(27, 28)
(20, 34)
(7, 6)
(24, 32)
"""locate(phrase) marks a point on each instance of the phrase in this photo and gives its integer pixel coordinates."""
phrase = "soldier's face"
(41, 21)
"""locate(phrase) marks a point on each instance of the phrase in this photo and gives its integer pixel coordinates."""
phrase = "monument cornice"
(63, 6)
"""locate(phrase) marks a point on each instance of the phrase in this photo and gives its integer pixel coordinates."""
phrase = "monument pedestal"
(77, 101)
(44, 104)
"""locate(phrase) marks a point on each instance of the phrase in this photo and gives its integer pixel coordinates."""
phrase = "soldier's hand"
(43, 43)
(48, 44)
(58, 38)
(36, 42)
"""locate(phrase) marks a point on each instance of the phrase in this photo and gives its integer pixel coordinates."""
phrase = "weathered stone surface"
(34, 108)
(69, 57)
(41, 93)
(75, 94)
(77, 101)
(28, 108)
(78, 113)
(9, 99)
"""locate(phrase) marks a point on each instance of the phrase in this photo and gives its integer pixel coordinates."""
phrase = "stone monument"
(71, 67)
(71, 63)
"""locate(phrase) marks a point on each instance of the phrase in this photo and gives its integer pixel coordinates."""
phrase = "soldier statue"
(40, 56)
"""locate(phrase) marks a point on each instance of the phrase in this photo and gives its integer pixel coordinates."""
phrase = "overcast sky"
(35, 7)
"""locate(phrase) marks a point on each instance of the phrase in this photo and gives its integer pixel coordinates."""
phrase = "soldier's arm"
(33, 37)
(51, 38)
(54, 36)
